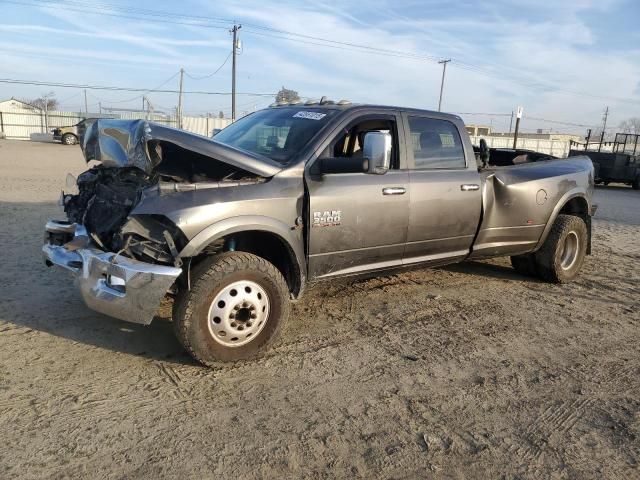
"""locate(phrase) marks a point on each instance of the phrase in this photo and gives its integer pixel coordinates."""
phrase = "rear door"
(445, 190)
(358, 221)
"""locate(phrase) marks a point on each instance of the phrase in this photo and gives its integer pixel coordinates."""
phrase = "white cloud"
(538, 53)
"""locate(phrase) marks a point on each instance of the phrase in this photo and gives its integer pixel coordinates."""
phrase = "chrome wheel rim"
(238, 313)
(68, 140)
(570, 251)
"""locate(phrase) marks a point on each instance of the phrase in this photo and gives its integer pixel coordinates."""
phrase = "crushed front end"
(109, 283)
(124, 260)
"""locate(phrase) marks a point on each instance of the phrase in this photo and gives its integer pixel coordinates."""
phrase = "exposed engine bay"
(138, 159)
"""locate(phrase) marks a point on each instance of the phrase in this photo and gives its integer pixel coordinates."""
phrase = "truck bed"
(519, 200)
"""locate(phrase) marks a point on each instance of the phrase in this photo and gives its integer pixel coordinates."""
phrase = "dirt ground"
(470, 371)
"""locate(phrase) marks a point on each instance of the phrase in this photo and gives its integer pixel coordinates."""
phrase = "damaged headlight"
(152, 238)
(105, 198)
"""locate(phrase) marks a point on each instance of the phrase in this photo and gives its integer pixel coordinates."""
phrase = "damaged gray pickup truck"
(235, 226)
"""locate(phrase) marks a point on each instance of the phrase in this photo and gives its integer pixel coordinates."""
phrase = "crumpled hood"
(125, 143)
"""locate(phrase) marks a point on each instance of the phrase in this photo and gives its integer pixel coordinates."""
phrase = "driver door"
(358, 221)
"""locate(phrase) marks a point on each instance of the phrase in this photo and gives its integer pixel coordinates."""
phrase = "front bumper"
(117, 286)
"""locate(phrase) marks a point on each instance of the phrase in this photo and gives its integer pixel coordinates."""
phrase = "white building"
(14, 104)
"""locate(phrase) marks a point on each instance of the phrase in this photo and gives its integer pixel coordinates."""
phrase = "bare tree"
(220, 114)
(40, 102)
(631, 125)
(286, 95)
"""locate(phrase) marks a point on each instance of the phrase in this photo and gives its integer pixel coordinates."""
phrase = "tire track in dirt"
(555, 419)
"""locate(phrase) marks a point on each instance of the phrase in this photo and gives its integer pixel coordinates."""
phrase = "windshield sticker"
(310, 115)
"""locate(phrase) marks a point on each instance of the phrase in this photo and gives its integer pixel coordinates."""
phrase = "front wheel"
(234, 310)
(69, 139)
(562, 254)
(636, 183)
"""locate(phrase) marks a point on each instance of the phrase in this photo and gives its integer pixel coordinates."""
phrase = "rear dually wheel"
(561, 256)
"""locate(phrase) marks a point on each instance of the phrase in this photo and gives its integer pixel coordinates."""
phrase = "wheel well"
(267, 245)
(576, 206)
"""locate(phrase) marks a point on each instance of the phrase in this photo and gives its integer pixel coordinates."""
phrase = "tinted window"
(436, 143)
(351, 142)
(277, 133)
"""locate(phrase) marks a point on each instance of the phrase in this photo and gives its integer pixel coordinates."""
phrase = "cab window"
(435, 144)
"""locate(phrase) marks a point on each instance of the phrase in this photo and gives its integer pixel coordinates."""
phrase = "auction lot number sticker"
(310, 115)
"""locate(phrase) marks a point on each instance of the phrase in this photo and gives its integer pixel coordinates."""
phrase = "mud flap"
(588, 222)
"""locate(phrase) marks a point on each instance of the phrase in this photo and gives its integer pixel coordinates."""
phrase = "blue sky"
(561, 60)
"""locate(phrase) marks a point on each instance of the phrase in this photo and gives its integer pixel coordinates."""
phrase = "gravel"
(467, 371)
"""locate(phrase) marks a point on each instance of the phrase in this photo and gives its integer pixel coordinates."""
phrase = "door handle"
(394, 191)
(469, 187)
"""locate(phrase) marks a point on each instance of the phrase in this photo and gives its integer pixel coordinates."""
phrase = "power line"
(541, 86)
(527, 117)
(111, 13)
(203, 21)
(143, 94)
(206, 22)
(341, 46)
(339, 43)
(211, 74)
(485, 114)
(198, 21)
(559, 122)
(66, 99)
(454, 62)
(125, 89)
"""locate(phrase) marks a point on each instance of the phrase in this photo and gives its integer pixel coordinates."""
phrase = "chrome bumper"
(117, 286)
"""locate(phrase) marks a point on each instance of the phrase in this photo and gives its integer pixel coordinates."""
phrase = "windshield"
(277, 133)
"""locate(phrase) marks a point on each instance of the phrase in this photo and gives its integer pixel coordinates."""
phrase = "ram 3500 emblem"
(329, 218)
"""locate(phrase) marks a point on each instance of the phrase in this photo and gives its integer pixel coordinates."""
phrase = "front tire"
(636, 183)
(234, 310)
(69, 139)
(562, 254)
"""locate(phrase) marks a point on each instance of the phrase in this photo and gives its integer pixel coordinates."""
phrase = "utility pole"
(100, 107)
(180, 99)
(234, 31)
(604, 119)
(511, 122)
(444, 70)
(604, 126)
(86, 108)
(46, 114)
(515, 135)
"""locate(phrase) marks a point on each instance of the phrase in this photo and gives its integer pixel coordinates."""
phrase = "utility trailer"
(617, 161)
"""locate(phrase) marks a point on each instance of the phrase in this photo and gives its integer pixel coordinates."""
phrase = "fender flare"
(566, 198)
(290, 236)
